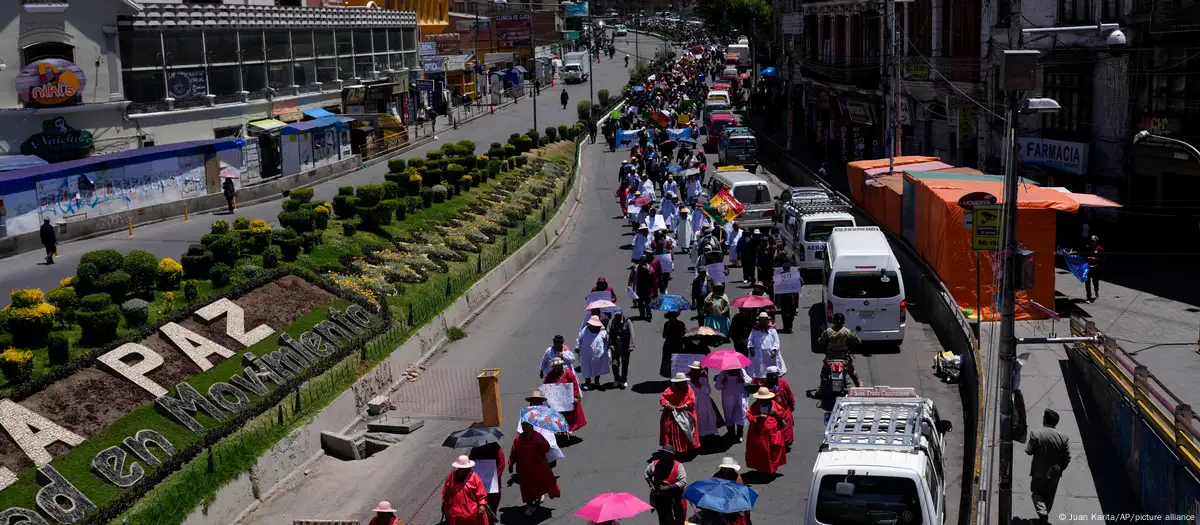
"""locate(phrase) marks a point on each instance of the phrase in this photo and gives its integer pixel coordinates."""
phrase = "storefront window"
(327, 71)
(346, 68)
(252, 45)
(254, 78)
(44, 50)
(362, 41)
(221, 46)
(223, 80)
(323, 39)
(302, 44)
(141, 49)
(410, 39)
(345, 46)
(396, 61)
(363, 67)
(410, 60)
(380, 37)
(306, 72)
(184, 47)
(395, 40)
(279, 46)
(144, 86)
(279, 74)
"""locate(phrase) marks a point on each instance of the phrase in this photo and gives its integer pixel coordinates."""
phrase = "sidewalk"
(1092, 485)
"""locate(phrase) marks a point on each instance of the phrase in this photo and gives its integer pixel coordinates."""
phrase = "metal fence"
(439, 392)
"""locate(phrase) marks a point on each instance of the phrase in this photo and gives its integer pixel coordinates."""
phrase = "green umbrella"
(615, 114)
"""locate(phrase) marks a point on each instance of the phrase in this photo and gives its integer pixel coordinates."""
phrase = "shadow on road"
(651, 387)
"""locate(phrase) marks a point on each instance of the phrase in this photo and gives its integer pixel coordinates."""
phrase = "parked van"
(863, 282)
(716, 123)
(738, 146)
(717, 94)
(754, 192)
(808, 221)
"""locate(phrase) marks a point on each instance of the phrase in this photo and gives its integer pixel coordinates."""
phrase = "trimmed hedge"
(142, 267)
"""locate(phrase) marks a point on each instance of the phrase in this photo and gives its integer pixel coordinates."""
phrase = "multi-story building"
(134, 74)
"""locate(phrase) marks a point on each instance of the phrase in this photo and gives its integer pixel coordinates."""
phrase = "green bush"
(299, 220)
(226, 249)
(467, 147)
(58, 346)
(343, 206)
(413, 203)
(142, 267)
(552, 133)
(432, 177)
(271, 256)
(251, 271)
(434, 155)
(603, 97)
(584, 109)
(417, 163)
(98, 318)
(526, 145)
(563, 132)
(65, 300)
(104, 260)
(514, 139)
(220, 274)
(533, 136)
(345, 190)
(439, 194)
(466, 161)
(349, 228)
(496, 153)
(387, 210)
(136, 312)
(454, 172)
(191, 290)
(450, 149)
(321, 216)
(397, 165)
(220, 226)
(510, 150)
(197, 261)
(86, 274)
(241, 223)
(289, 244)
(368, 194)
(402, 209)
(115, 283)
(391, 190)
(17, 365)
(427, 197)
(399, 179)
(302, 194)
(208, 239)
(292, 205)
(465, 183)
(169, 274)
(495, 145)
(494, 167)
(310, 240)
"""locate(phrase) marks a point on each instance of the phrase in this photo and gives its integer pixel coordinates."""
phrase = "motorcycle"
(836, 380)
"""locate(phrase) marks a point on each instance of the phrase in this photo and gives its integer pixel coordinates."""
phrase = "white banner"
(559, 396)
(632, 294)
(680, 362)
(606, 295)
(667, 262)
(486, 468)
(788, 281)
(716, 272)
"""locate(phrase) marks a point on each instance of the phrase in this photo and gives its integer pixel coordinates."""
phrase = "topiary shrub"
(552, 133)
(289, 244)
(299, 220)
(309, 240)
(115, 284)
(191, 290)
(527, 144)
(169, 274)
(427, 197)
(17, 365)
(496, 152)
(391, 190)
(494, 145)
(292, 205)
(220, 274)
(455, 172)
(466, 147)
(514, 139)
(434, 155)
(465, 183)
(563, 132)
(220, 226)
(142, 267)
(494, 167)
(397, 165)
(136, 312)
(345, 190)
(367, 205)
(603, 97)
(58, 346)
(584, 109)
(321, 215)
(402, 209)
(241, 223)
(414, 183)
(509, 151)
(260, 232)
(65, 301)
(104, 260)
(432, 177)
(387, 210)
(533, 135)
(302, 194)
(251, 271)
(343, 206)
(98, 317)
(86, 275)
(439, 194)
(226, 248)
(30, 318)
(349, 228)
(271, 256)
(198, 260)
(417, 164)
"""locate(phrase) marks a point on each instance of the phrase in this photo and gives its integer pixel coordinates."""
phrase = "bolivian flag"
(723, 208)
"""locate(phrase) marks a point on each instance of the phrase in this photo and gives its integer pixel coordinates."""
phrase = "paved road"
(622, 431)
(171, 238)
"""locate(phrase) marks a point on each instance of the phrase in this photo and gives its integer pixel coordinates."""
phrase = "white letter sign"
(235, 321)
(136, 372)
(32, 432)
(183, 339)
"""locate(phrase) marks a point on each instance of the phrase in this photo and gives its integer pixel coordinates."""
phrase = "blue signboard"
(425, 85)
(428, 49)
(433, 66)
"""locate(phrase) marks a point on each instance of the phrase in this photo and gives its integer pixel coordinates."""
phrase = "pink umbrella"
(601, 304)
(641, 201)
(612, 506)
(752, 301)
(725, 360)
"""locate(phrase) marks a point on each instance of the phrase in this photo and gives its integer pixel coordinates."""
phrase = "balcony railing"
(859, 72)
(233, 98)
(45, 6)
(961, 69)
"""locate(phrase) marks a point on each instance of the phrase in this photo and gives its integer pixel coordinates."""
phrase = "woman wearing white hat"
(592, 349)
(384, 515)
(765, 449)
(464, 497)
(707, 416)
(728, 470)
(734, 401)
(764, 348)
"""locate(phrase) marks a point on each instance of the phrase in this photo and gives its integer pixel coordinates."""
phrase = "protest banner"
(667, 262)
(486, 468)
(788, 281)
(680, 362)
(559, 396)
(716, 272)
(605, 295)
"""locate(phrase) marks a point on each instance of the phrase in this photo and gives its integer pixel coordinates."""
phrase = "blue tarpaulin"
(316, 113)
(679, 133)
(17, 162)
(1077, 264)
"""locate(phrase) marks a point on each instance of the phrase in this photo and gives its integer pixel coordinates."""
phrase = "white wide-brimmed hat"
(772, 369)
(695, 365)
(557, 361)
(679, 378)
(465, 462)
(384, 506)
(595, 321)
(763, 393)
(764, 315)
(729, 463)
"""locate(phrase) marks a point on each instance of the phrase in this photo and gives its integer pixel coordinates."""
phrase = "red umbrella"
(725, 360)
(641, 201)
(752, 301)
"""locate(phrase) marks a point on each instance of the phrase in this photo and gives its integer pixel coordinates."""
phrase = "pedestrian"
(528, 455)
(784, 398)
(537, 87)
(708, 417)
(684, 229)
(557, 349)
(490, 452)
(740, 328)
(537, 399)
(663, 246)
(620, 345)
(765, 449)
(592, 129)
(677, 425)
(1051, 455)
(764, 348)
(230, 192)
(716, 309)
(766, 262)
(733, 238)
(671, 186)
(384, 515)
(593, 353)
(433, 115)
(672, 334)
(602, 285)
(644, 283)
(641, 241)
(749, 254)
(563, 98)
(728, 470)
(788, 303)
(560, 374)
(667, 479)
(1094, 259)
(49, 240)
(464, 498)
(734, 400)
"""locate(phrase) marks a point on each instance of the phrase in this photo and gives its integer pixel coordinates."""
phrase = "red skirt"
(576, 419)
(669, 433)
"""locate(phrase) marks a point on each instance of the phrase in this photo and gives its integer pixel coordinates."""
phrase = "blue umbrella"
(544, 417)
(670, 303)
(769, 72)
(720, 495)
(639, 88)
(687, 140)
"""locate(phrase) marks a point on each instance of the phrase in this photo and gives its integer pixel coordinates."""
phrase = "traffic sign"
(985, 227)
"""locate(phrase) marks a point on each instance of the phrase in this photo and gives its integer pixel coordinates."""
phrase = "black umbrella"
(472, 437)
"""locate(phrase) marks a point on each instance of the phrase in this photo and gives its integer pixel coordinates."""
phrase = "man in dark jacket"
(620, 345)
(1051, 455)
(49, 240)
(750, 256)
(229, 191)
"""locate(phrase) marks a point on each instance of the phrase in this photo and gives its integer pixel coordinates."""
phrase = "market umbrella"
(544, 417)
(472, 437)
(725, 360)
(720, 495)
(670, 303)
(641, 201)
(768, 72)
(601, 304)
(706, 336)
(612, 506)
(752, 301)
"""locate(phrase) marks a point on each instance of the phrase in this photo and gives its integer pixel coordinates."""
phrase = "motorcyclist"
(837, 340)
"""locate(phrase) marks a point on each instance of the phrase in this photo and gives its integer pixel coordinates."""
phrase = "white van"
(719, 95)
(808, 221)
(863, 282)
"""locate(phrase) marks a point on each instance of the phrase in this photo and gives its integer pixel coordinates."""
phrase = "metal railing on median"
(1170, 416)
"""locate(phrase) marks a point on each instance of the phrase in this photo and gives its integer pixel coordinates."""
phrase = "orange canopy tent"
(856, 172)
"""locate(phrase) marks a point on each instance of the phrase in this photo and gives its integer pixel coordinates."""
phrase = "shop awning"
(920, 166)
(1087, 200)
(267, 124)
(520, 69)
(17, 162)
(289, 115)
(316, 113)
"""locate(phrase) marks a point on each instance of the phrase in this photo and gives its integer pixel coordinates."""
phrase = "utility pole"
(637, 54)
(891, 88)
(592, 74)
(533, 64)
